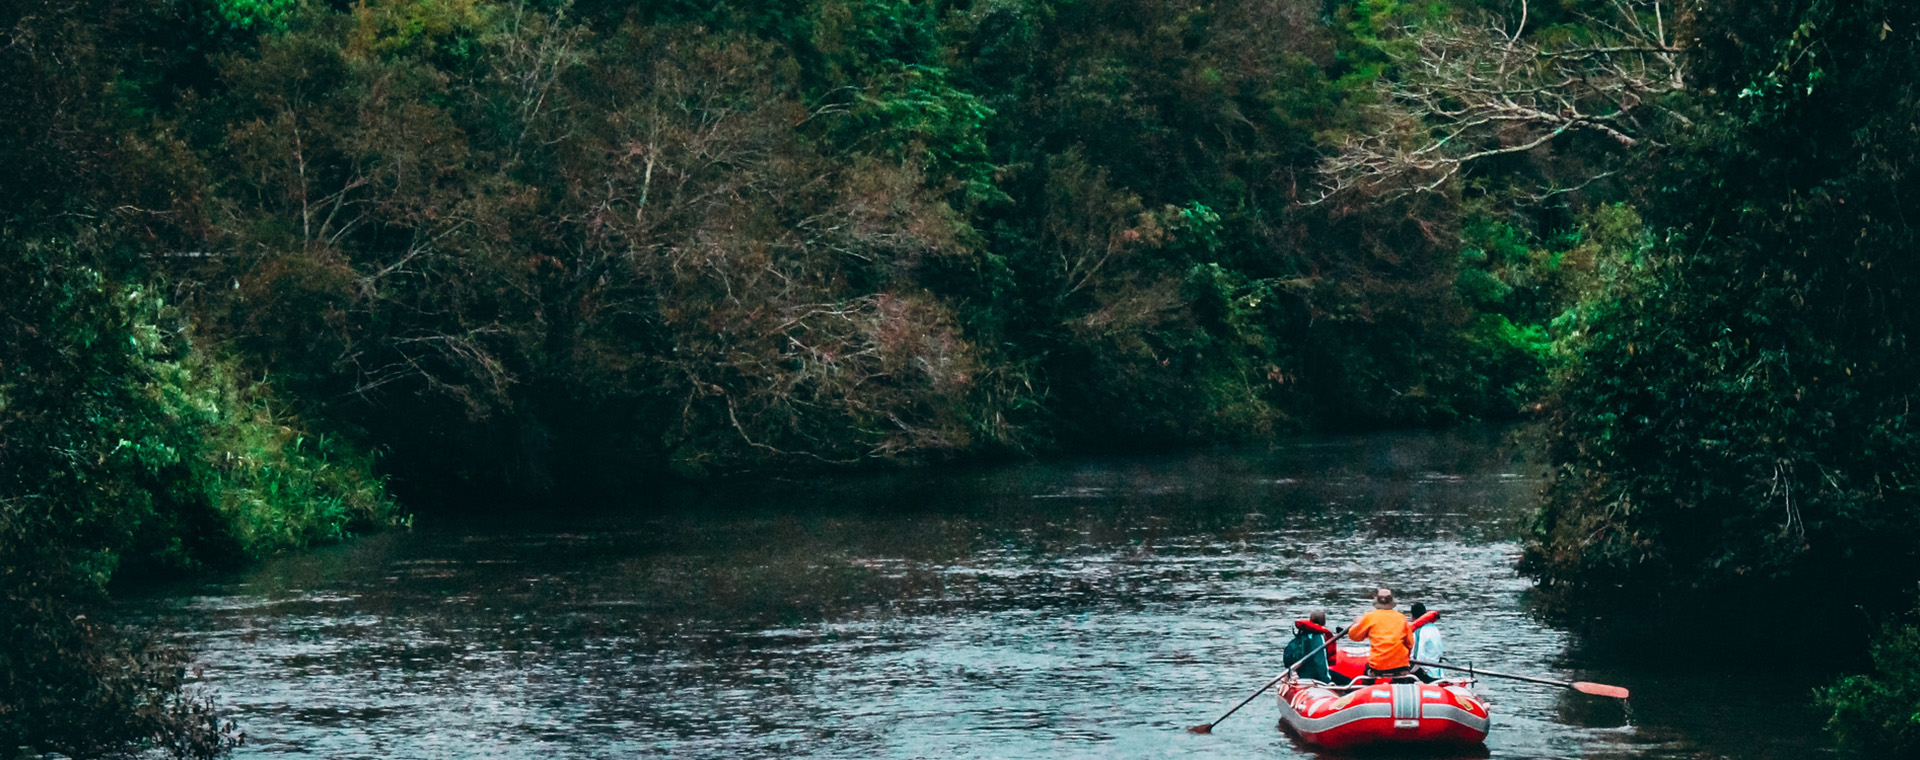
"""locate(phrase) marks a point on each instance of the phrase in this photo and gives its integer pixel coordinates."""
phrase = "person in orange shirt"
(1388, 636)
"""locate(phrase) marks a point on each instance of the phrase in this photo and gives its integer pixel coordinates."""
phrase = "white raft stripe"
(1307, 725)
(1449, 712)
(1406, 701)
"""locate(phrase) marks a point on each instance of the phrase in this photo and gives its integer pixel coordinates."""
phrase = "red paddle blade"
(1204, 728)
(1599, 689)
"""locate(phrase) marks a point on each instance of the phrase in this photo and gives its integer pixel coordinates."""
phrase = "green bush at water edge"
(1881, 711)
(127, 445)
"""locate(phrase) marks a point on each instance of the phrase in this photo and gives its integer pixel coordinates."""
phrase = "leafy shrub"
(122, 443)
(1735, 417)
(254, 15)
(1881, 712)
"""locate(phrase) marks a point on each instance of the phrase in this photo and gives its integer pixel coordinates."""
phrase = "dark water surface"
(1081, 609)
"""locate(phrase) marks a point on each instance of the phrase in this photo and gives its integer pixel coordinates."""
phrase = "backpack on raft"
(1305, 641)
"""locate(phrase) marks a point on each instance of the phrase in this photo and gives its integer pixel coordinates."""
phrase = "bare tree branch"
(1468, 93)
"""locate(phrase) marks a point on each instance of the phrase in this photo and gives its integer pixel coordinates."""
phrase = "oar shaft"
(1250, 698)
(1477, 671)
(1328, 641)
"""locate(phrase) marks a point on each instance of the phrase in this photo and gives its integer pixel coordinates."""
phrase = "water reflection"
(1078, 609)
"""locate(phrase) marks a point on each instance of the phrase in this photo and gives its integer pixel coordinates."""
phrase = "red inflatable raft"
(1402, 713)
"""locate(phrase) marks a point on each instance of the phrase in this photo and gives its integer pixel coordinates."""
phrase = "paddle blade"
(1599, 689)
(1204, 728)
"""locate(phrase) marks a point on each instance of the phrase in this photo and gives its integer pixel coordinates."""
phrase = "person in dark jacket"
(1309, 636)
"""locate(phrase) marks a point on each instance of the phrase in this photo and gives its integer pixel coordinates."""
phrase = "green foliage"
(255, 15)
(561, 243)
(127, 446)
(1735, 415)
(862, 36)
(557, 244)
(387, 27)
(277, 487)
(912, 113)
(1527, 291)
(1376, 32)
(1880, 712)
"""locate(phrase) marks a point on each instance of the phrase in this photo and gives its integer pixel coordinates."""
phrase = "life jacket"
(1428, 644)
(1308, 637)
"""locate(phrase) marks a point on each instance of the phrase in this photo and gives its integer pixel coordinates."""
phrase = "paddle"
(1584, 687)
(1207, 728)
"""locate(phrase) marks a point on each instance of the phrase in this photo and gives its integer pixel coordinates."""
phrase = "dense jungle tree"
(517, 245)
(1735, 416)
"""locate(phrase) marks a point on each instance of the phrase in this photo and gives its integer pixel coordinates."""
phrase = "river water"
(1086, 608)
